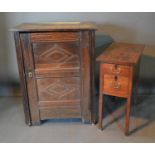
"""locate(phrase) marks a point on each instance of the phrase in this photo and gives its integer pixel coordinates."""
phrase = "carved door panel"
(52, 64)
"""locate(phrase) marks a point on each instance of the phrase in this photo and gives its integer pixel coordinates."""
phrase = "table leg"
(100, 115)
(128, 109)
(100, 111)
(136, 93)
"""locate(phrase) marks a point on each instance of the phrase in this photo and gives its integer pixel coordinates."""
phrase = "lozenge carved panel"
(58, 89)
(56, 55)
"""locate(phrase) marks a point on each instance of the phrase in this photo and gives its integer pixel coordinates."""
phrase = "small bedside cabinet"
(119, 66)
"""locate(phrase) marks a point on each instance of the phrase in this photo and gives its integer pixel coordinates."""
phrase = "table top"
(122, 53)
(54, 26)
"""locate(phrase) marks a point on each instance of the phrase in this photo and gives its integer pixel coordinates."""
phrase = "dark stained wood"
(57, 26)
(85, 70)
(22, 78)
(58, 103)
(60, 112)
(122, 53)
(119, 66)
(40, 73)
(56, 55)
(58, 66)
(92, 75)
(58, 89)
(31, 81)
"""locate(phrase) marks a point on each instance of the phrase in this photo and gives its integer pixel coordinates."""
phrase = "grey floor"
(13, 128)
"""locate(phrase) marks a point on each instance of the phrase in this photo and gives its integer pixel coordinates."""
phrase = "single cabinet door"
(52, 69)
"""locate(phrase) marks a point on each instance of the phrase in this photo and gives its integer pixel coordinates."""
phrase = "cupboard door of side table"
(52, 65)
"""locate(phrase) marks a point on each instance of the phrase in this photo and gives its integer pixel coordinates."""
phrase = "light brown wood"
(54, 37)
(100, 117)
(122, 53)
(115, 85)
(128, 105)
(60, 112)
(119, 69)
(57, 26)
(115, 69)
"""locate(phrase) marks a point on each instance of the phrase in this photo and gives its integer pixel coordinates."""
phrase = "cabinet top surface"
(122, 53)
(55, 26)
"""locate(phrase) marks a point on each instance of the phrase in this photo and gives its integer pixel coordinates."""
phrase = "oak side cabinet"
(119, 69)
(56, 66)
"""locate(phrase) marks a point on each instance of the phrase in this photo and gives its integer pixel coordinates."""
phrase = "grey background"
(121, 27)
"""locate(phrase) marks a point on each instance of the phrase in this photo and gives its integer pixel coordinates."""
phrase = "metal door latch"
(30, 74)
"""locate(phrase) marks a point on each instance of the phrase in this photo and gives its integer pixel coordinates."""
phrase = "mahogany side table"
(119, 66)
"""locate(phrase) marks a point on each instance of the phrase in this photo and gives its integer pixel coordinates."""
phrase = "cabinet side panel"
(92, 76)
(30, 77)
(23, 84)
(85, 71)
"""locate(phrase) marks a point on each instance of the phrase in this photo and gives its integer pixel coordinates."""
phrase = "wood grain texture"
(59, 89)
(40, 73)
(122, 53)
(31, 81)
(54, 36)
(92, 75)
(62, 55)
(23, 83)
(60, 112)
(128, 105)
(86, 79)
(58, 65)
(115, 69)
(116, 87)
(57, 26)
(119, 67)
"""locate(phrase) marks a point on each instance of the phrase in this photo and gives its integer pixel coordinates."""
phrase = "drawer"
(115, 85)
(116, 69)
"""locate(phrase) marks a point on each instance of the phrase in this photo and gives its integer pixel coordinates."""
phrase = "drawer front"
(116, 69)
(116, 85)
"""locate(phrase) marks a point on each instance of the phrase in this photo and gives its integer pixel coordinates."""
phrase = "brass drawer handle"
(115, 85)
(118, 71)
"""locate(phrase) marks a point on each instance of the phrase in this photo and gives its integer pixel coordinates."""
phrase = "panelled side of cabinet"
(87, 67)
(31, 82)
(92, 74)
(85, 71)
(23, 83)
